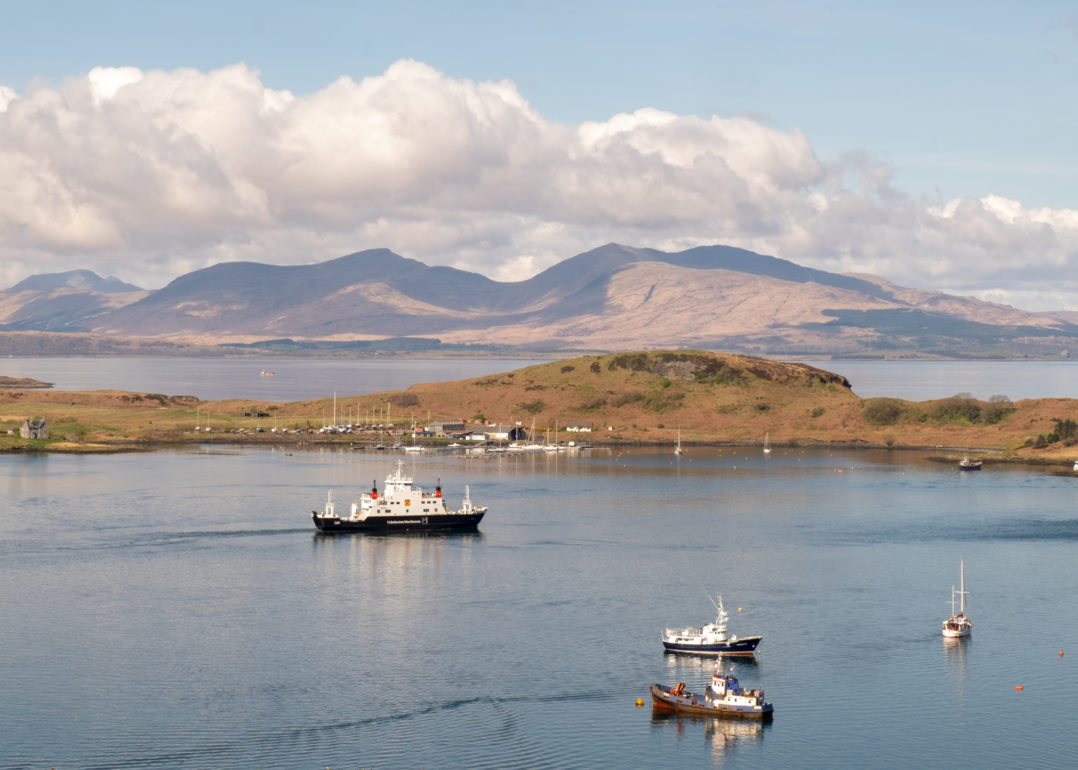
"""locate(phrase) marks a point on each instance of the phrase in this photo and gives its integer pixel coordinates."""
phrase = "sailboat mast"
(962, 585)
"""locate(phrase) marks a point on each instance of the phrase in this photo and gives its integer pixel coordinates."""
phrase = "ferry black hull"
(688, 703)
(449, 522)
(740, 648)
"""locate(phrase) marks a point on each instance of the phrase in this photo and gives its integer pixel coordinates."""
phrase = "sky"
(928, 143)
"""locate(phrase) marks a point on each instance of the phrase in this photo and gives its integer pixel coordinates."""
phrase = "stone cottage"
(35, 427)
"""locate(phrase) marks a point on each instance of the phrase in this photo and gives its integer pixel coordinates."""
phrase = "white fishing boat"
(710, 639)
(958, 625)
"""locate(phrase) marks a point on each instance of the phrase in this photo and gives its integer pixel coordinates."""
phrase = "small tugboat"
(402, 508)
(711, 639)
(722, 698)
(959, 625)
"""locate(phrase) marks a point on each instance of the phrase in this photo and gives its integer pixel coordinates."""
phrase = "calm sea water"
(299, 379)
(214, 379)
(175, 609)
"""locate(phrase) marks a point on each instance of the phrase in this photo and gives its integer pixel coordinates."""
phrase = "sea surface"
(176, 609)
(215, 379)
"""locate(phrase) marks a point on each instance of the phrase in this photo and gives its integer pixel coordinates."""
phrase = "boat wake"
(186, 538)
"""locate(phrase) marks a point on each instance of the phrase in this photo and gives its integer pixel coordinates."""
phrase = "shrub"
(661, 401)
(1067, 430)
(882, 411)
(956, 408)
(997, 408)
(404, 399)
(634, 362)
(531, 407)
(628, 397)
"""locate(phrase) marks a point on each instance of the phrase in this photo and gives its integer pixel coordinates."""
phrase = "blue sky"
(929, 143)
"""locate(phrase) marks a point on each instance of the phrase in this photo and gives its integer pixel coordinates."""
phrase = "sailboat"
(767, 445)
(677, 449)
(415, 447)
(958, 625)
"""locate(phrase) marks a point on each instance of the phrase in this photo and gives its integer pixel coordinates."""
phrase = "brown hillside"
(644, 397)
(647, 396)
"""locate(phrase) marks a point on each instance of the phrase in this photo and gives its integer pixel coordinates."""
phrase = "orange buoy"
(1018, 687)
(1061, 653)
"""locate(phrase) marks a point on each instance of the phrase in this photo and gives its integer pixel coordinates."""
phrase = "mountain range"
(611, 298)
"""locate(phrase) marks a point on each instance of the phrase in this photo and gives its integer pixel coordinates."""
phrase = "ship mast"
(962, 587)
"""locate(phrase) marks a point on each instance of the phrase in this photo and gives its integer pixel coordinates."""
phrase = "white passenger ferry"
(403, 507)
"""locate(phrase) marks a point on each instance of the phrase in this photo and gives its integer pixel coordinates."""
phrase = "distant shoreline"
(23, 382)
(636, 399)
(934, 453)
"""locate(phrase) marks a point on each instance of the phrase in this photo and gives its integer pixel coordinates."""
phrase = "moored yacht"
(958, 625)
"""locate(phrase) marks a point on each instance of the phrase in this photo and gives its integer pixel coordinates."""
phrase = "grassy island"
(645, 397)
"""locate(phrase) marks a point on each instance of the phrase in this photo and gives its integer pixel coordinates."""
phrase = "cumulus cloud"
(149, 174)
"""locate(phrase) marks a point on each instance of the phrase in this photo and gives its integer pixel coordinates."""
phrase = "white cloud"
(104, 82)
(149, 174)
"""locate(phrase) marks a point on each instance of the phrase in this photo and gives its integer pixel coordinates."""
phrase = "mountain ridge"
(613, 297)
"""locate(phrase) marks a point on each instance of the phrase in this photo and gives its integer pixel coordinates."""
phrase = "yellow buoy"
(639, 702)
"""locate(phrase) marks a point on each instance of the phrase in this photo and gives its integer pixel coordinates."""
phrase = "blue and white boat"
(724, 697)
(710, 639)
